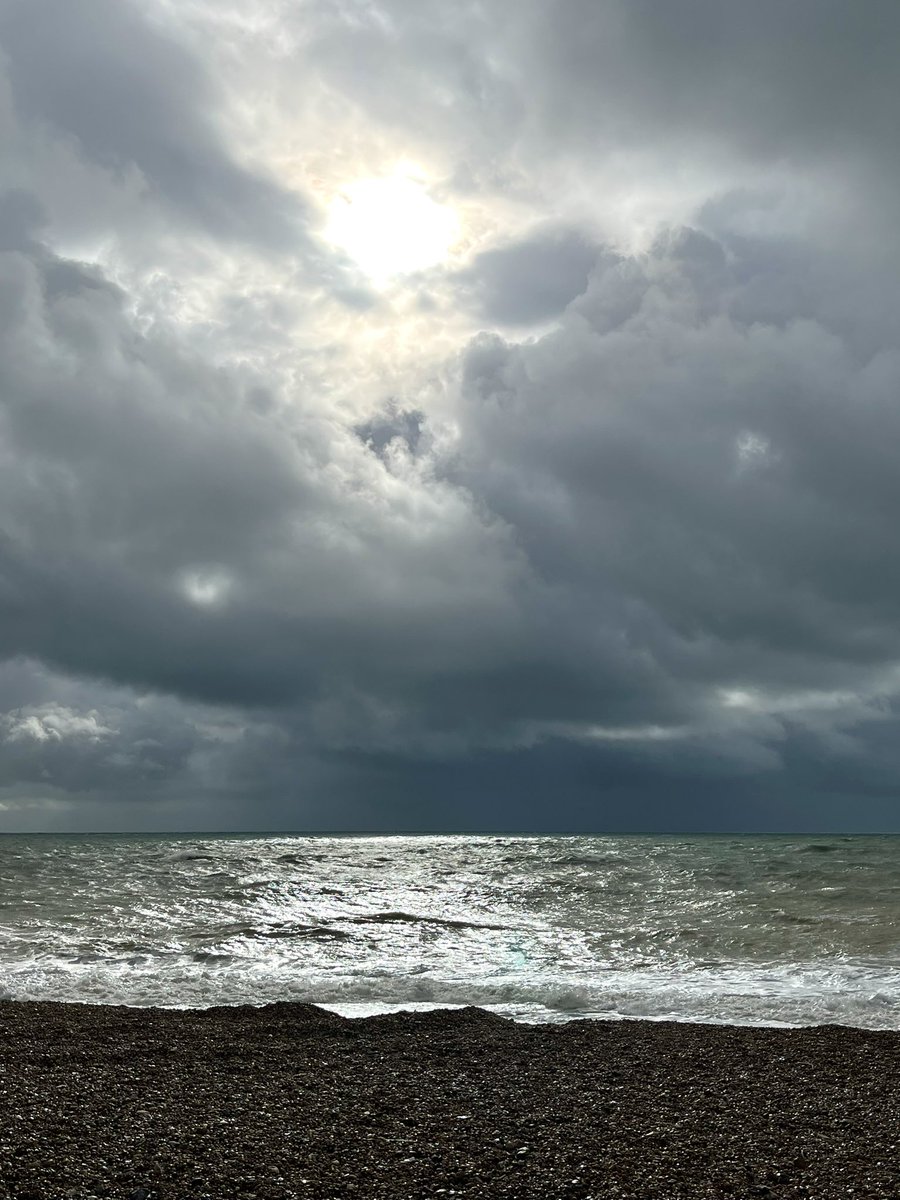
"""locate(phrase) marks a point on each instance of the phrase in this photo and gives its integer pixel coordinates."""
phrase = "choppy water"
(541, 928)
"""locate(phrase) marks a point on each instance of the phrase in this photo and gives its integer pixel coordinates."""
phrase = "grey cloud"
(74, 752)
(662, 498)
(74, 737)
(161, 529)
(98, 72)
(426, 68)
(162, 532)
(802, 79)
(715, 484)
(395, 424)
(530, 280)
(635, 101)
(21, 217)
(639, 571)
(808, 79)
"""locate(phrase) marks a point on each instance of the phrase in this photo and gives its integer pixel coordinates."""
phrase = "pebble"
(289, 1102)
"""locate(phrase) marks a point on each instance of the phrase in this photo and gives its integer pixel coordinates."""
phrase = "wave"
(275, 932)
(816, 997)
(323, 932)
(788, 918)
(586, 860)
(823, 993)
(396, 917)
(683, 933)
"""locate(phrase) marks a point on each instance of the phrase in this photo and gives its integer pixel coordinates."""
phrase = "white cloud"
(52, 723)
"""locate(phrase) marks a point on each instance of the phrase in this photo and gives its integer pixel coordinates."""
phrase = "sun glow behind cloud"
(390, 226)
(427, 360)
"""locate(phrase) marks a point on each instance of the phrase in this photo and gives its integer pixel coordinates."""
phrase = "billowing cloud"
(589, 525)
(131, 100)
(531, 280)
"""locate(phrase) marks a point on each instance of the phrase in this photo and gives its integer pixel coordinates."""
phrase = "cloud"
(592, 524)
(805, 81)
(159, 530)
(52, 722)
(131, 98)
(530, 280)
(617, 447)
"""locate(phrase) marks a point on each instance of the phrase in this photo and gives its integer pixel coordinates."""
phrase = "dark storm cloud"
(162, 529)
(721, 473)
(638, 569)
(675, 478)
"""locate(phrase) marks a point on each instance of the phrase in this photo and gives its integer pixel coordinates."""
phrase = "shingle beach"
(292, 1101)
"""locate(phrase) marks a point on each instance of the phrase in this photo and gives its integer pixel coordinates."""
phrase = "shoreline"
(416, 1008)
(290, 1100)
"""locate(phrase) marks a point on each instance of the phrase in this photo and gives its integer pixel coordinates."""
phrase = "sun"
(390, 226)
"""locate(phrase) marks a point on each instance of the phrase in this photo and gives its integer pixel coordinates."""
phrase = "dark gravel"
(292, 1101)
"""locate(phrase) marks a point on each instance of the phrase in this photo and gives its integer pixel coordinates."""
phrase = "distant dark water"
(788, 930)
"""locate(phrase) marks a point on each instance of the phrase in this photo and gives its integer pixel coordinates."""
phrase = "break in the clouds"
(449, 415)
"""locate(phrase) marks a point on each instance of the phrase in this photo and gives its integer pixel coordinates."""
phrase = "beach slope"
(292, 1101)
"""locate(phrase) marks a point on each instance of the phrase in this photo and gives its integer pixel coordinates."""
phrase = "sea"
(740, 930)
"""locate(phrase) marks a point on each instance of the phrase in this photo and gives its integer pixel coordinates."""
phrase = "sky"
(449, 415)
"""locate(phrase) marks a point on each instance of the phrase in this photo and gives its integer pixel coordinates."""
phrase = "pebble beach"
(290, 1100)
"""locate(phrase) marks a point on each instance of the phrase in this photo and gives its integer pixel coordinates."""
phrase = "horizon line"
(531, 833)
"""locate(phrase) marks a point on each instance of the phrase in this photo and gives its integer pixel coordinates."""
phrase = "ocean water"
(735, 929)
